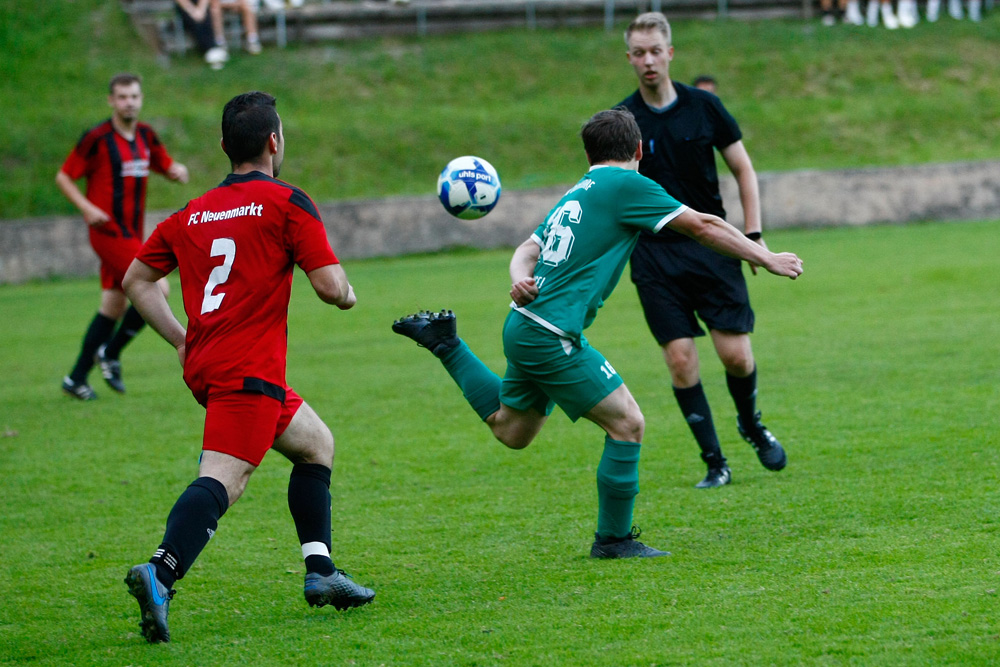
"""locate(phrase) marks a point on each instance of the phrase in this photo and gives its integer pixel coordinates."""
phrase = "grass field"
(382, 117)
(876, 546)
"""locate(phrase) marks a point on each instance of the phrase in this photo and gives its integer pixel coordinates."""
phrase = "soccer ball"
(469, 187)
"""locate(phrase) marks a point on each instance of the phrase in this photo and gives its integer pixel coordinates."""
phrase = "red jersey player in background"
(236, 247)
(116, 157)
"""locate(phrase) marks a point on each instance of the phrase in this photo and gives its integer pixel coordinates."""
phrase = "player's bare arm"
(177, 172)
(738, 161)
(92, 215)
(523, 289)
(715, 233)
(331, 286)
(140, 285)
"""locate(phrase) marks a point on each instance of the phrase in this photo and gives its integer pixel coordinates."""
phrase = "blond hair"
(648, 21)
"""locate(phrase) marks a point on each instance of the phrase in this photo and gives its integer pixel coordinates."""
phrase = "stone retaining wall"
(58, 246)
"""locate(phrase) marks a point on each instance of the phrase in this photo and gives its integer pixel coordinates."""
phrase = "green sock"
(617, 486)
(479, 385)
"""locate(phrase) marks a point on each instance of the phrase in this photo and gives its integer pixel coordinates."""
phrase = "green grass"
(381, 117)
(876, 546)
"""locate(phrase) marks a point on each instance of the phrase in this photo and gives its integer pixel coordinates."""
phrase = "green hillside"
(371, 119)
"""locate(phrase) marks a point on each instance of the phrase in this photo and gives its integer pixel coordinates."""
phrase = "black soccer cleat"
(154, 602)
(715, 478)
(624, 547)
(337, 589)
(435, 331)
(769, 450)
(78, 390)
(111, 370)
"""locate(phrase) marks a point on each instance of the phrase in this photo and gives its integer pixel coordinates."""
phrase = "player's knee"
(683, 364)
(739, 363)
(631, 427)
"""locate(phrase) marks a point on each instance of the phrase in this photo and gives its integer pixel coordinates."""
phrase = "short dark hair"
(611, 135)
(123, 79)
(704, 78)
(248, 120)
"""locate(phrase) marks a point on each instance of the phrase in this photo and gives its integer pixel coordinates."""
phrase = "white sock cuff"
(315, 549)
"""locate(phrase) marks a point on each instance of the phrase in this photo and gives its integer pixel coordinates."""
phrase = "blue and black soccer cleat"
(154, 602)
(435, 331)
(769, 450)
(337, 589)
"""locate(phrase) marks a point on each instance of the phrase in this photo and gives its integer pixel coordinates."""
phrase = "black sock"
(744, 393)
(131, 325)
(309, 503)
(97, 334)
(190, 526)
(697, 414)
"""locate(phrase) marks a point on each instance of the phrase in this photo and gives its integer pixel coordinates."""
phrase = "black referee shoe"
(716, 477)
(336, 589)
(624, 547)
(435, 331)
(769, 450)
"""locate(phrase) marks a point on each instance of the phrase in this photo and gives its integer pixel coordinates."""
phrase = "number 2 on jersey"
(219, 275)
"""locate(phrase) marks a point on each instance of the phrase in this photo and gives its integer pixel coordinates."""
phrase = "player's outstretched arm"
(331, 286)
(523, 289)
(177, 172)
(140, 285)
(715, 233)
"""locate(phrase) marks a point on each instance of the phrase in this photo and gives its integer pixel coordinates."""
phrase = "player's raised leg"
(437, 331)
(308, 444)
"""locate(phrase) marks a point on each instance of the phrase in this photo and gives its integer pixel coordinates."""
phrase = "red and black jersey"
(116, 171)
(235, 247)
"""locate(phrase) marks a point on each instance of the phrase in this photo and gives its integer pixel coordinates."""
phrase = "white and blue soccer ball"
(469, 187)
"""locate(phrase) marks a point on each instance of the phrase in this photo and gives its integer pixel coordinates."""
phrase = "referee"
(678, 280)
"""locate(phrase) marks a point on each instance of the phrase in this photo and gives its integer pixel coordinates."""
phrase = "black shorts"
(678, 283)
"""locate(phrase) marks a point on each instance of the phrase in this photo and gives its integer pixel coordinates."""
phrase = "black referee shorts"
(680, 283)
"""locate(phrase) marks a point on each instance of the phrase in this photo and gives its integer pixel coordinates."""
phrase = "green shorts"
(544, 370)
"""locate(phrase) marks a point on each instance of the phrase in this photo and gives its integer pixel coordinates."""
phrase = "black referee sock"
(698, 415)
(97, 334)
(309, 504)
(131, 325)
(190, 526)
(744, 393)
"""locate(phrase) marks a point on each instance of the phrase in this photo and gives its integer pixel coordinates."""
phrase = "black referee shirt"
(678, 148)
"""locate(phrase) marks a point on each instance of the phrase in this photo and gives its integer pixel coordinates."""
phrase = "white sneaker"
(872, 12)
(253, 45)
(889, 19)
(828, 20)
(933, 10)
(976, 10)
(853, 14)
(955, 9)
(216, 57)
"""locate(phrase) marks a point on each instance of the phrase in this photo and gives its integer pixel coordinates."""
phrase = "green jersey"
(586, 241)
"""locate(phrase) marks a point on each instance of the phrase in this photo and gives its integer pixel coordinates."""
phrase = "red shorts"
(245, 424)
(116, 254)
